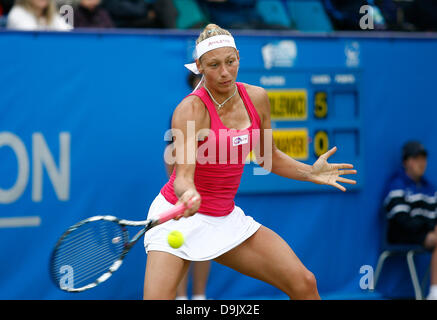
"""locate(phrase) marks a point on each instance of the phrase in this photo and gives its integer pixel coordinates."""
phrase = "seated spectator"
(142, 14)
(36, 15)
(411, 205)
(233, 14)
(89, 14)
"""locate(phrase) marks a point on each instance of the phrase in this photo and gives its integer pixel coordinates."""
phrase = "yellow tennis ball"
(175, 239)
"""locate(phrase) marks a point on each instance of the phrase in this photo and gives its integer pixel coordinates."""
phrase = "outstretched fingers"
(344, 180)
(342, 172)
(339, 186)
(343, 166)
(329, 153)
(336, 170)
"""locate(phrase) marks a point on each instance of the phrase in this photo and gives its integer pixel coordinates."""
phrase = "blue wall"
(113, 95)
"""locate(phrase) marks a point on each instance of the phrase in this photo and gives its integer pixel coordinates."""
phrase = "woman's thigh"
(164, 271)
(267, 257)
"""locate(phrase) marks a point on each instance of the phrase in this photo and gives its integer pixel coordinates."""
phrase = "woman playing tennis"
(215, 128)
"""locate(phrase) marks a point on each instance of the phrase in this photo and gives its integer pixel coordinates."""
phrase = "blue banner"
(82, 123)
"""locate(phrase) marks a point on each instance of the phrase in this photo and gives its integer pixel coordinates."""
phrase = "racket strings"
(93, 270)
(88, 252)
(88, 259)
(93, 267)
(74, 245)
(95, 262)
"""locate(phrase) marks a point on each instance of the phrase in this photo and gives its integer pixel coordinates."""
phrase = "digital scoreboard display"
(310, 113)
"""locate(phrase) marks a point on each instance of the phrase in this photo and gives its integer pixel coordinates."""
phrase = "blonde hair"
(48, 13)
(212, 30)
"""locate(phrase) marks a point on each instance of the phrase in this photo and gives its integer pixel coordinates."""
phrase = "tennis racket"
(90, 251)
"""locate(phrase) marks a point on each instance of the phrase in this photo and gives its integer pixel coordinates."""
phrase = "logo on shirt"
(236, 141)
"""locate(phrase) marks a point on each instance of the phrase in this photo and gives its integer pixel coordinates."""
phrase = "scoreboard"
(311, 112)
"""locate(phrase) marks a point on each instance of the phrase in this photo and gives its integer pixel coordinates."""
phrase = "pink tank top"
(220, 159)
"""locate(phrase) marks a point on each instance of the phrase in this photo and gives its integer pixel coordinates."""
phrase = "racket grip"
(174, 212)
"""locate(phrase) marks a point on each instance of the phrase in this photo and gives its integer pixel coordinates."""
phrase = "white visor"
(209, 44)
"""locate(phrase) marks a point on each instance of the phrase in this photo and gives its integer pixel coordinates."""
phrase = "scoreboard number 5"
(320, 105)
(321, 141)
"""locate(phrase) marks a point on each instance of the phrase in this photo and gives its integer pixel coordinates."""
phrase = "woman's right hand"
(191, 196)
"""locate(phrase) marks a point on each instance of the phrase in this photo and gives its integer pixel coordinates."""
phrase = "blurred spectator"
(233, 14)
(346, 15)
(411, 206)
(5, 6)
(2, 17)
(166, 13)
(422, 14)
(391, 13)
(36, 15)
(141, 13)
(73, 3)
(400, 15)
(194, 80)
(395, 12)
(89, 14)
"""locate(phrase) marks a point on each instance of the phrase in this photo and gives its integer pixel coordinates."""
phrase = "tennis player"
(215, 128)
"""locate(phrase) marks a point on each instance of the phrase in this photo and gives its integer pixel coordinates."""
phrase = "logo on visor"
(218, 42)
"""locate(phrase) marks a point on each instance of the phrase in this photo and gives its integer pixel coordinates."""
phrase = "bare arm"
(188, 118)
(270, 157)
(273, 159)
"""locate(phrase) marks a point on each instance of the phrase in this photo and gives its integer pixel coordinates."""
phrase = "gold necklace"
(220, 105)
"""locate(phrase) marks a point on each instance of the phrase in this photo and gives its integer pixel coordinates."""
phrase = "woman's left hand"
(323, 172)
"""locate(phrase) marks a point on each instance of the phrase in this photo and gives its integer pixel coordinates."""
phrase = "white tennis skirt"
(206, 237)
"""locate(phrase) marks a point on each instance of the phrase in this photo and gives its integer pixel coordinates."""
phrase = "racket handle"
(174, 212)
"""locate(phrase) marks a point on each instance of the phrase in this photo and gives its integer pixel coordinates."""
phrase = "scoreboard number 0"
(321, 143)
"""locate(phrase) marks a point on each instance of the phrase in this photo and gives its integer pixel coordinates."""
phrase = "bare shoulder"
(259, 97)
(190, 109)
(255, 91)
